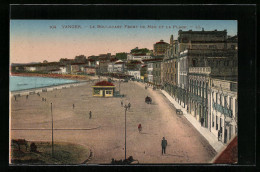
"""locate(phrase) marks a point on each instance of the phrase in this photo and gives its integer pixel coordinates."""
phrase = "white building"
(30, 68)
(135, 73)
(118, 66)
(63, 70)
(150, 72)
(183, 70)
(138, 57)
(223, 109)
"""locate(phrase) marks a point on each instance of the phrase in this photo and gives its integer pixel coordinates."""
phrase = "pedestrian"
(27, 96)
(202, 121)
(218, 135)
(73, 106)
(90, 114)
(121, 103)
(164, 144)
(139, 128)
(15, 97)
(129, 105)
(45, 99)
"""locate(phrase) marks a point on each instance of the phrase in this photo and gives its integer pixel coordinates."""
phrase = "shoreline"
(62, 76)
(83, 80)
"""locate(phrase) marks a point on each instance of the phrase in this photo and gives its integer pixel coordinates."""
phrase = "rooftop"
(104, 83)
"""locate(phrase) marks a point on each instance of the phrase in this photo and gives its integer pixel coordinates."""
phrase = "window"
(220, 125)
(216, 122)
(96, 91)
(212, 120)
(194, 62)
(225, 101)
(217, 98)
(108, 92)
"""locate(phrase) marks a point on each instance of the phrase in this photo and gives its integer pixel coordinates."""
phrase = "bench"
(179, 111)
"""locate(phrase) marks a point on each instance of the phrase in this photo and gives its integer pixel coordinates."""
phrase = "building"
(63, 69)
(223, 64)
(169, 76)
(169, 68)
(138, 57)
(143, 73)
(223, 108)
(202, 40)
(116, 66)
(135, 73)
(157, 74)
(198, 94)
(103, 89)
(76, 68)
(80, 59)
(89, 70)
(150, 72)
(159, 48)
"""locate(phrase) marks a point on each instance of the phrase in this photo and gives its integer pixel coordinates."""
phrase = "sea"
(18, 83)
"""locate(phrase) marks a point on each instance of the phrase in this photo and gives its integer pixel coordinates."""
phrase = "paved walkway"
(213, 141)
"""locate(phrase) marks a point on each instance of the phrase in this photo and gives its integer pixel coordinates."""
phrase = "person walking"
(27, 96)
(139, 128)
(15, 97)
(129, 105)
(73, 106)
(163, 144)
(90, 114)
(122, 103)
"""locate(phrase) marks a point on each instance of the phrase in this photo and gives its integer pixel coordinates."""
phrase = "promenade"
(104, 133)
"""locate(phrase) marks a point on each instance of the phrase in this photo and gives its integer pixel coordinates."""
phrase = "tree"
(139, 51)
(121, 56)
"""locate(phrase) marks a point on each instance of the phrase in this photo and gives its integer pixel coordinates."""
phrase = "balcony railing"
(200, 70)
(222, 110)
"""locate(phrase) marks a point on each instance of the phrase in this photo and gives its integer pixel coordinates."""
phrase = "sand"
(104, 133)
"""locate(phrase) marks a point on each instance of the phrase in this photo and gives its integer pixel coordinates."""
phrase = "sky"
(39, 40)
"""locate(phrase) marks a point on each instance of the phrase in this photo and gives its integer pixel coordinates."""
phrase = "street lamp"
(126, 106)
(52, 132)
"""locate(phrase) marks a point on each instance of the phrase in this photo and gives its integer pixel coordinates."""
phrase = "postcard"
(123, 92)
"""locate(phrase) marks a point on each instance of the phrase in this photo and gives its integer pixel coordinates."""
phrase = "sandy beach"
(104, 133)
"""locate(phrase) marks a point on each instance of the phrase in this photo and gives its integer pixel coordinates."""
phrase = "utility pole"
(125, 128)
(119, 85)
(52, 132)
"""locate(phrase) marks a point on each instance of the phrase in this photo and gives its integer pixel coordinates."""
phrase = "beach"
(104, 133)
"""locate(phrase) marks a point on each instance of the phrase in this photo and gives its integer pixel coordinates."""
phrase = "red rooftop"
(104, 83)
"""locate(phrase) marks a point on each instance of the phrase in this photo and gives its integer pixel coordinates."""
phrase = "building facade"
(159, 48)
(198, 94)
(157, 74)
(224, 109)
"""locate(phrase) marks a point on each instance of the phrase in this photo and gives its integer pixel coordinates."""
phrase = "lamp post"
(52, 132)
(125, 128)
(119, 84)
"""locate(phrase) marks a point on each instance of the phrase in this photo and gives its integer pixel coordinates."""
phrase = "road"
(104, 134)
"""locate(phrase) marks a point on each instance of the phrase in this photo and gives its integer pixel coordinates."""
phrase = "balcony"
(223, 110)
(200, 70)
